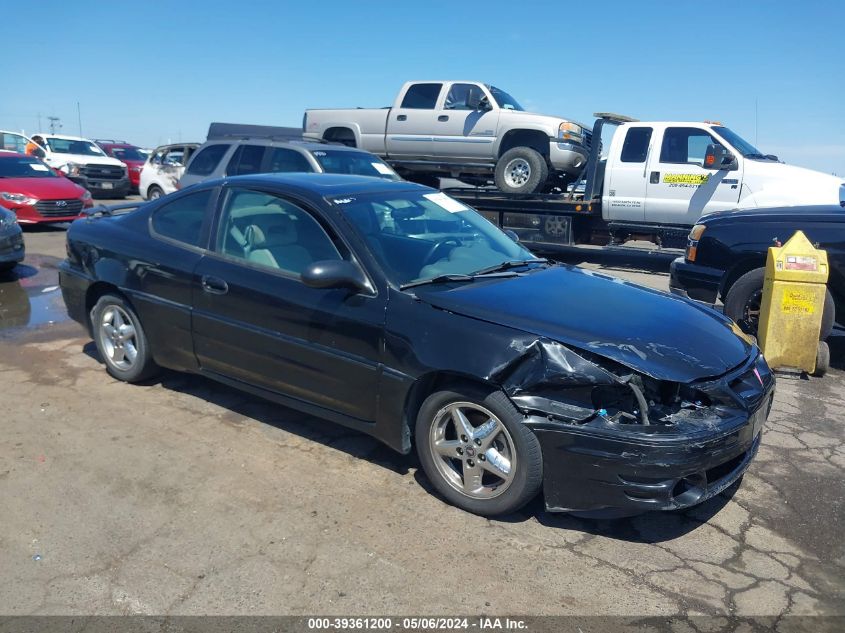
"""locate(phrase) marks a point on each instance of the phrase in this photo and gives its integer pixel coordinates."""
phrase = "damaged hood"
(657, 334)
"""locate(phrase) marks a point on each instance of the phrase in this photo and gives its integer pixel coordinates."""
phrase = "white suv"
(163, 169)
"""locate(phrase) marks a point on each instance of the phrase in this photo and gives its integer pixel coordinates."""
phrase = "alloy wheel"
(472, 450)
(118, 338)
(517, 172)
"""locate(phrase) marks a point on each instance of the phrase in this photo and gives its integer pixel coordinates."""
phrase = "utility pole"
(39, 122)
(756, 141)
(55, 123)
(79, 117)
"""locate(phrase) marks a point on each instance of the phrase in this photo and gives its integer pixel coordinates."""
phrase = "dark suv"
(726, 258)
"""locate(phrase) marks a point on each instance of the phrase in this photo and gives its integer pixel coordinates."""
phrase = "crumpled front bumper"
(611, 470)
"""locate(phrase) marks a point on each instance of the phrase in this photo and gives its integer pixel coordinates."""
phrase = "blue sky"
(155, 71)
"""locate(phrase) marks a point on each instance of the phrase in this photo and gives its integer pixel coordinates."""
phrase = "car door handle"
(214, 285)
(655, 178)
(443, 117)
(401, 117)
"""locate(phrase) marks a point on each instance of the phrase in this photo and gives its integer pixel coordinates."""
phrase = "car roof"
(10, 154)
(310, 146)
(161, 147)
(822, 212)
(323, 185)
(67, 137)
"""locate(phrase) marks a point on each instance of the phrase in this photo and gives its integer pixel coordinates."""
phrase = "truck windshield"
(422, 237)
(504, 100)
(356, 163)
(71, 146)
(740, 144)
(127, 153)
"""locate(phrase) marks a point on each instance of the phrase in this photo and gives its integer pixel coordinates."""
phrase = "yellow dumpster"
(792, 306)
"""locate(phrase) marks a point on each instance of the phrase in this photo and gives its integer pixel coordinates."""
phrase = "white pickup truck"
(461, 129)
(656, 180)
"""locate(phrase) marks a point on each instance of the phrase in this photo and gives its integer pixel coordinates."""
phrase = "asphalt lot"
(182, 496)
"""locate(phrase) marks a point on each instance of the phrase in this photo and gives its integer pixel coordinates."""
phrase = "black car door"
(162, 273)
(256, 322)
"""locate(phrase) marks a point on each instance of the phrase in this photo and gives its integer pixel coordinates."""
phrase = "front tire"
(742, 304)
(476, 451)
(521, 170)
(154, 192)
(121, 340)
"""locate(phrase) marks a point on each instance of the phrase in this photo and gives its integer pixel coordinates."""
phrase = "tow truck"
(654, 183)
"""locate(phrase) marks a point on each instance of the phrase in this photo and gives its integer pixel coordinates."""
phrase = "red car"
(129, 154)
(35, 193)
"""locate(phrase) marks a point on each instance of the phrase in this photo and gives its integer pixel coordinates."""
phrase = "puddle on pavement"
(30, 297)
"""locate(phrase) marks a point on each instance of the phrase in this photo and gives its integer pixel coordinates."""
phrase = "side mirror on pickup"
(718, 157)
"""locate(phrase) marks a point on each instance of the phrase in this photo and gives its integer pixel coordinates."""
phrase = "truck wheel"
(822, 360)
(742, 304)
(521, 170)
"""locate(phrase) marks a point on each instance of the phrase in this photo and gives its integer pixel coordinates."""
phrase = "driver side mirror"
(334, 273)
(718, 157)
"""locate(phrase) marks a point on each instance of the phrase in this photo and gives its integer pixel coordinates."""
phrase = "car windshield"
(127, 153)
(740, 144)
(418, 236)
(505, 101)
(24, 167)
(73, 146)
(356, 163)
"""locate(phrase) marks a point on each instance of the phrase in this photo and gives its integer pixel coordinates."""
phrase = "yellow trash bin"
(792, 306)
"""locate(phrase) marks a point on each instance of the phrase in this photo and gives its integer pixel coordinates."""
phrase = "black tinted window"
(283, 159)
(246, 160)
(422, 96)
(208, 158)
(635, 148)
(684, 145)
(182, 218)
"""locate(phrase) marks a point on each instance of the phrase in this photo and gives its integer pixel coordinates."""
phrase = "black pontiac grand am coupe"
(393, 309)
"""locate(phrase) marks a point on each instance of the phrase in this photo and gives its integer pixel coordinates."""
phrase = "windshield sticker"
(321, 154)
(445, 202)
(685, 180)
(343, 200)
(38, 167)
(383, 169)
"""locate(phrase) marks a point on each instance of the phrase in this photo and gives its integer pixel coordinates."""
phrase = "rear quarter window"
(206, 160)
(182, 219)
(422, 96)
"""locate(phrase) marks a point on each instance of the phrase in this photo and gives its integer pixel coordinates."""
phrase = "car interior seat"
(275, 245)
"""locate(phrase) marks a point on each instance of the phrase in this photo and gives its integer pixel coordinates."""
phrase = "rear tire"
(521, 170)
(121, 340)
(476, 451)
(154, 192)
